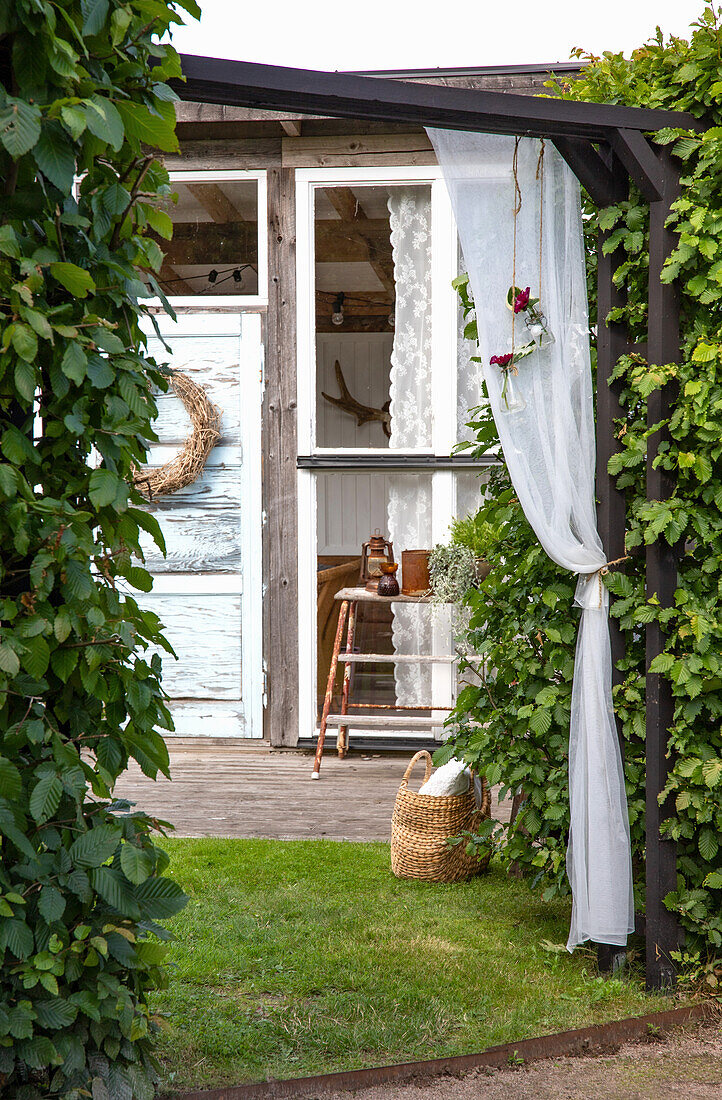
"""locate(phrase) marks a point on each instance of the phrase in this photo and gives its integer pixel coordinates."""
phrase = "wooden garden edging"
(600, 1039)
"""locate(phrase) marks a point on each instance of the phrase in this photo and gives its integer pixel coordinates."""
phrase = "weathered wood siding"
(280, 494)
(198, 588)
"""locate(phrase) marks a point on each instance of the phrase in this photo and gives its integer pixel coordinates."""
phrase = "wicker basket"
(421, 825)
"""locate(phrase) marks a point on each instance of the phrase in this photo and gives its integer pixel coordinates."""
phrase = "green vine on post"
(83, 96)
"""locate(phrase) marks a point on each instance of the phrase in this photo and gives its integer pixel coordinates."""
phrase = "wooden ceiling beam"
(215, 202)
(348, 206)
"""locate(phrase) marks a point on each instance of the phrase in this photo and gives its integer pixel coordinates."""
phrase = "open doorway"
(378, 366)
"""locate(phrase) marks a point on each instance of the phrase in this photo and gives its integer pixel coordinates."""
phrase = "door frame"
(444, 338)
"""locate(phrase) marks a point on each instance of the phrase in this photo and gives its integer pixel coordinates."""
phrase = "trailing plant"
(522, 618)
(83, 95)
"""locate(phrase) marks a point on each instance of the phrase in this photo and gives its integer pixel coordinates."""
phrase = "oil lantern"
(373, 553)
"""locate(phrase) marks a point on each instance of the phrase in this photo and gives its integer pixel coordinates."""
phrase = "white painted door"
(207, 589)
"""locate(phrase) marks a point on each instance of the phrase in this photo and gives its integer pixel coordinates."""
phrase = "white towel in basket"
(451, 778)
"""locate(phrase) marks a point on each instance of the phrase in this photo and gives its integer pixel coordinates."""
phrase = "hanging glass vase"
(511, 397)
(538, 328)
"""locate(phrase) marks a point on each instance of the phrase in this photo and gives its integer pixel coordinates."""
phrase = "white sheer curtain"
(549, 449)
(409, 501)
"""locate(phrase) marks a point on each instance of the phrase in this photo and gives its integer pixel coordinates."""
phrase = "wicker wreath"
(189, 462)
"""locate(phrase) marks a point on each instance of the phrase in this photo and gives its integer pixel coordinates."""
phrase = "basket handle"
(418, 756)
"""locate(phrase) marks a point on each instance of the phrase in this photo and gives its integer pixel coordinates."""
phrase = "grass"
(301, 957)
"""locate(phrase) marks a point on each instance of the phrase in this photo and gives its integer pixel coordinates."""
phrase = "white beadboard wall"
(365, 361)
(198, 585)
(351, 506)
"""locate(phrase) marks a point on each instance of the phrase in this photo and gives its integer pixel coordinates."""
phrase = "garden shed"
(302, 366)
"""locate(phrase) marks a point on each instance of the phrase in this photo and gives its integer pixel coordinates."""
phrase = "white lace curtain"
(549, 448)
(409, 499)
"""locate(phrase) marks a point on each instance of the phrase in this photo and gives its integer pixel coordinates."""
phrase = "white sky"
(398, 34)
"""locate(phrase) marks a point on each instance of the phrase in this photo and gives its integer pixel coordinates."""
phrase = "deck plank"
(241, 789)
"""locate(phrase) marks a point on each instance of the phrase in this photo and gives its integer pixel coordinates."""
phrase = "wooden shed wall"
(218, 137)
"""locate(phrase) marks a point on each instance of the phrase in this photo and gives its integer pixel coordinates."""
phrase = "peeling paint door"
(208, 588)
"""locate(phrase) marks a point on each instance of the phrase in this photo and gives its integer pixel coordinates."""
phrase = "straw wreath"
(189, 462)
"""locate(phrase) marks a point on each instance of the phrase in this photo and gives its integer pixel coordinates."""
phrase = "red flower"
(522, 300)
(501, 360)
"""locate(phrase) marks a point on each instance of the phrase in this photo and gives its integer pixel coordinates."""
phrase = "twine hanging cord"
(516, 210)
(602, 572)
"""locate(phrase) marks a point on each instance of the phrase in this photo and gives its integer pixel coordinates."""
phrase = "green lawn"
(300, 957)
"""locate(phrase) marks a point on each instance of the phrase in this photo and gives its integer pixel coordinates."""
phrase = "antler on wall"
(363, 413)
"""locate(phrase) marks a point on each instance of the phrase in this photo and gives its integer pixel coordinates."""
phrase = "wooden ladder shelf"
(349, 599)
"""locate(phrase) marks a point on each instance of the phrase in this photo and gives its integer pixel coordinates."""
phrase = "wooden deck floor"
(248, 790)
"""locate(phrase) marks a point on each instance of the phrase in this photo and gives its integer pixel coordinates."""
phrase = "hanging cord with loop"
(540, 177)
(516, 208)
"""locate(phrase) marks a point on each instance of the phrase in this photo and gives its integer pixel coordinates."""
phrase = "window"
(218, 253)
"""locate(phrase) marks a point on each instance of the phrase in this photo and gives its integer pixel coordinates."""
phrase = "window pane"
(373, 316)
(214, 249)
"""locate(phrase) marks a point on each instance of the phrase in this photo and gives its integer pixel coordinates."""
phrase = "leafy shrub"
(81, 882)
(522, 620)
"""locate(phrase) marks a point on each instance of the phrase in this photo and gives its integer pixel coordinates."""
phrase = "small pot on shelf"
(387, 584)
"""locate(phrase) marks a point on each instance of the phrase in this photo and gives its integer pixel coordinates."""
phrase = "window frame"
(228, 302)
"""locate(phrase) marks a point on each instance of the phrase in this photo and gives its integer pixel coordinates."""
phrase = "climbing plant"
(84, 102)
(522, 622)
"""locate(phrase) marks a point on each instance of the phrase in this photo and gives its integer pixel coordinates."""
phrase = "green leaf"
(73, 278)
(541, 721)
(63, 663)
(113, 889)
(104, 485)
(9, 660)
(91, 849)
(25, 380)
(104, 121)
(74, 363)
(160, 897)
(56, 1014)
(17, 937)
(55, 157)
(708, 845)
(51, 904)
(19, 126)
(8, 242)
(45, 797)
(78, 581)
(25, 342)
(36, 657)
(146, 127)
(95, 13)
(11, 784)
(663, 662)
(100, 373)
(137, 864)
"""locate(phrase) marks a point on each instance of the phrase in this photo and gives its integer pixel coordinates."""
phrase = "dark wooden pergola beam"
(604, 185)
(343, 95)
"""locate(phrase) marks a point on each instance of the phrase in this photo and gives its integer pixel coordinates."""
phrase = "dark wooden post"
(612, 342)
(662, 932)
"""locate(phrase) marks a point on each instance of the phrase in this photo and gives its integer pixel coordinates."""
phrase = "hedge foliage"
(522, 617)
(81, 883)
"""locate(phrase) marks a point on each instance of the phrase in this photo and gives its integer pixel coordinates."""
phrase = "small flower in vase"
(520, 301)
(512, 400)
